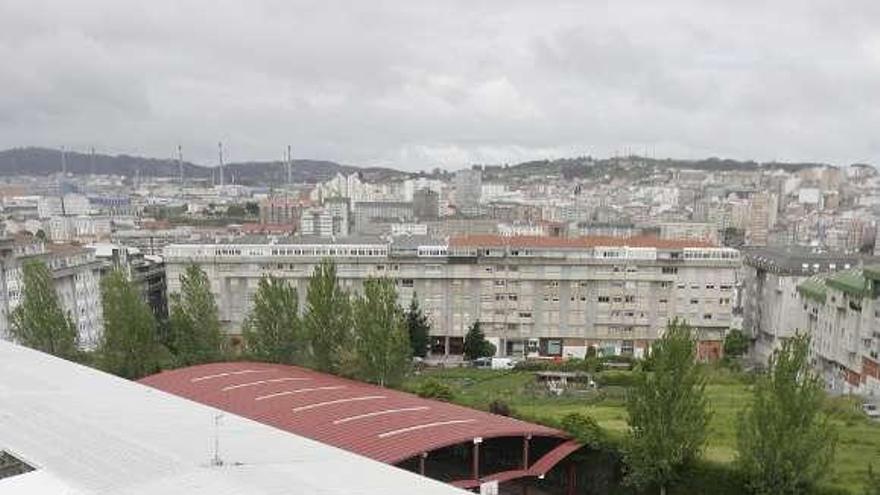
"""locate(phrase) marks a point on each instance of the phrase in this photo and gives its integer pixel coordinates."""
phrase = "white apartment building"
(772, 306)
(77, 282)
(69, 204)
(532, 295)
(843, 318)
(79, 228)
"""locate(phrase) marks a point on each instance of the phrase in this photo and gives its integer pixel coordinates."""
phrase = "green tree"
(236, 211)
(129, 346)
(272, 330)
(872, 486)
(476, 345)
(786, 442)
(252, 208)
(418, 328)
(381, 343)
(584, 428)
(195, 323)
(39, 321)
(668, 413)
(735, 343)
(327, 322)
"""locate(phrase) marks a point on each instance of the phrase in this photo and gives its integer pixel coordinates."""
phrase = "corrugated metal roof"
(383, 424)
(90, 433)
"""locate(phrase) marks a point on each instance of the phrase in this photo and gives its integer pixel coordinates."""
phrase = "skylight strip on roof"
(263, 382)
(230, 373)
(299, 391)
(380, 413)
(422, 427)
(338, 401)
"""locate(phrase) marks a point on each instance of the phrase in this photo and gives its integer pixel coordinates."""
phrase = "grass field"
(729, 393)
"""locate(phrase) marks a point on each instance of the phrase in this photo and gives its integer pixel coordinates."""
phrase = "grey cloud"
(424, 84)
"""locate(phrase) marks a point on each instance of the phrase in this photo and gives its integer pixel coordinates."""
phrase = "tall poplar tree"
(327, 321)
(381, 350)
(129, 346)
(272, 330)
(39, 321)
(786, 442)
(668, 413)
(418, 328)
(195, 323)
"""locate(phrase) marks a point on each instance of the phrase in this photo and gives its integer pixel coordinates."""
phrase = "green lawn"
(729, 393)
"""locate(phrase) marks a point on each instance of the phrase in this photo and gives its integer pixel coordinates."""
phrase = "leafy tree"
(195, 323)
(584, 428)
(327, 322)
(38, 321)
(252, 208)
(873, 482)
(476, 345)
(129, 346)
(381, 343)
(668, 413)
(432, 389)
(272, 330)
(786, 442)
(236, 211)
(418, 328)
(735, 343)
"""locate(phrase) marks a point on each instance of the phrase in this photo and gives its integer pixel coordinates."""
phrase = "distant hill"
(632, 166)
(45, 161)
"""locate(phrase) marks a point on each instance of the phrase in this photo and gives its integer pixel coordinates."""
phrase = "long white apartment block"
(532, 295)
(75, 272)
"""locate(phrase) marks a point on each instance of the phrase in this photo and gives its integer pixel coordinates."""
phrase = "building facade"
(843, 318)
(532, 295)
(76, 274)
(468, 191)
(771, 304)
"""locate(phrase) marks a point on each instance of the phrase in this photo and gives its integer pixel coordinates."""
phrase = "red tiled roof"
(382, 424)
(489, 241)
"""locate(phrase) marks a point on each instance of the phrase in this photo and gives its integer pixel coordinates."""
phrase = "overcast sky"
(417, 84)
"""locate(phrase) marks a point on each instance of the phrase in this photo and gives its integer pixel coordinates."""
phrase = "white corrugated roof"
(88, 432)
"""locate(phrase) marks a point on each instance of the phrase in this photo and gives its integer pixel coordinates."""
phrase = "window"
(407, 282)
(629, 299)
(603, 299)
(525, 314)
(695, 301)
(707, 316)
(669, 270)
(710, 286)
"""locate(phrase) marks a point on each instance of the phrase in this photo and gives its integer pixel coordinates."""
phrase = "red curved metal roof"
(383, 424)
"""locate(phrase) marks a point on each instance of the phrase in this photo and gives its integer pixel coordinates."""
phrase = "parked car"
(495, 363)
(872, 410)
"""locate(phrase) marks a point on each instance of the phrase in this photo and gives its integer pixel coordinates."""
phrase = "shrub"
(432, 389)
(499, 407)
(615, 378)
(584, 429)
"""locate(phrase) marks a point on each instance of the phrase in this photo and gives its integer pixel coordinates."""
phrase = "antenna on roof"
(180, 162)
(216, 460)
(220, 151)
(289, 165)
